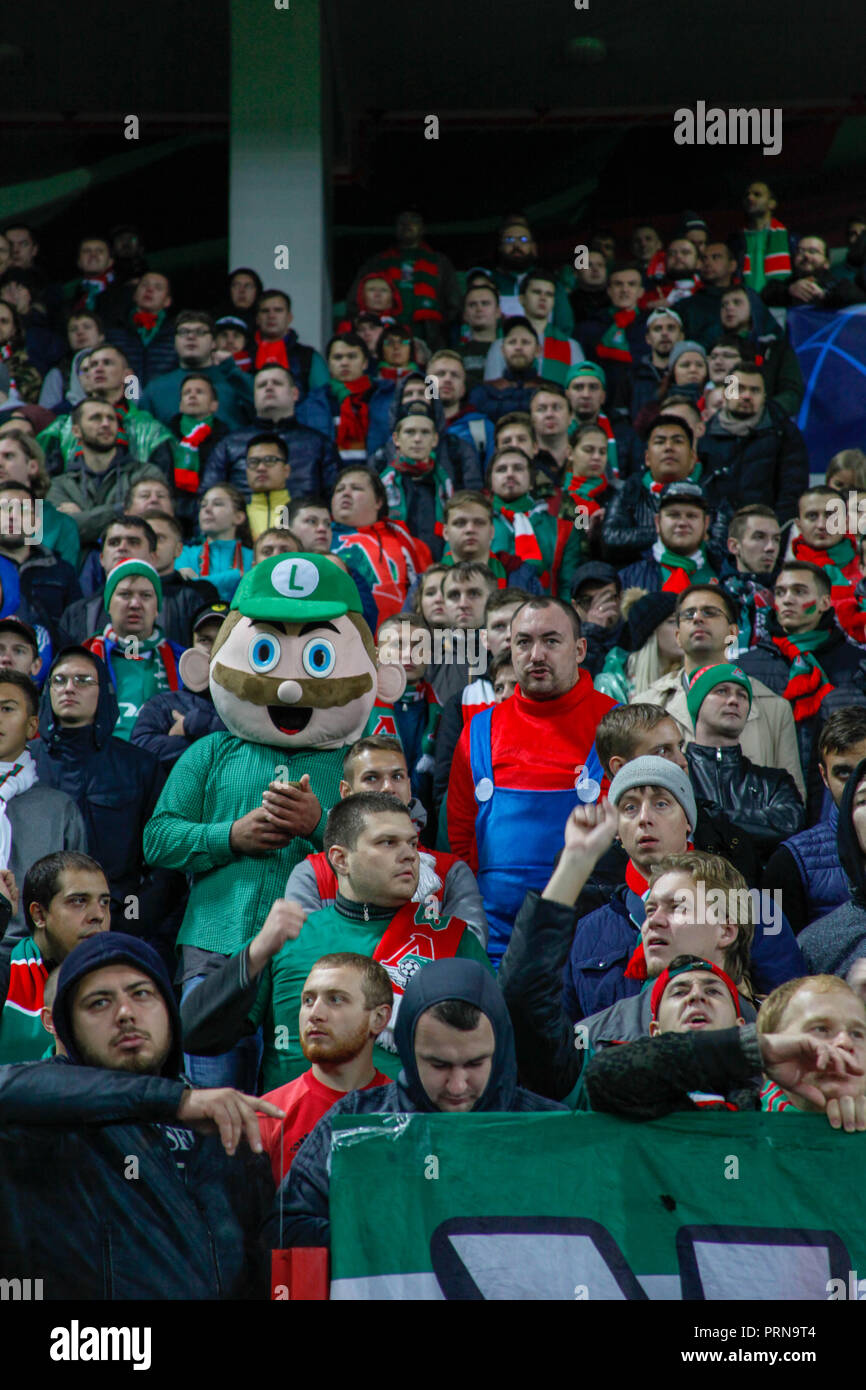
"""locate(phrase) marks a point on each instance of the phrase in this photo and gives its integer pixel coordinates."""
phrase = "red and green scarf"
(679, 571)
(613, 344)
(842, 568)
(524, 541)
(22, 1037)
(147, 325)
(588, 494)
(353, 420)
(768, 255)
(401, 472)
(773, 1099)
(807, 683)
(419, 279)
(194, 433)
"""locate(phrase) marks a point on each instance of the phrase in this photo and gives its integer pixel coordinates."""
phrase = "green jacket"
(144, 434)
(60, 534)
(279, 998)
(216, 781)
(99, 495)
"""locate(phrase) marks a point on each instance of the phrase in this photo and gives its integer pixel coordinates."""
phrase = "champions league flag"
(831, 350)
(592, 1208)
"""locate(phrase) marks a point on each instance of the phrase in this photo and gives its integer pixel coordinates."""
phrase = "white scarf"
(15, 778)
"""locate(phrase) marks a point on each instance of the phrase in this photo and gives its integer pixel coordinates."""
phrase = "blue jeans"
(238, 1068)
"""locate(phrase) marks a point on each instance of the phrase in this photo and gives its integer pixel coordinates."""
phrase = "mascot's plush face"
(292, 683)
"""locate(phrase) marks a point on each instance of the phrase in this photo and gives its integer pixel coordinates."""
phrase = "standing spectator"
(763, 246)
(197, 429)
(501, 809)
(835, 943)
(617, 338)
(664, 329)
(426, 280)
(518, 254)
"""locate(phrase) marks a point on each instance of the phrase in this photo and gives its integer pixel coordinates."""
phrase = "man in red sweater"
(522, 766)
(345, 1005)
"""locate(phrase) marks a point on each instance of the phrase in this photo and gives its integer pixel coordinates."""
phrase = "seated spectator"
(170, 721)
(808, 1042)
(194, 344)
(617, 338)
(346, 1002)
(466, 591)
(95, 263)
(226, 553)
(268, 473)
(382, 550)
(350, 393)
(586, 388)
(630, 519)
(805, 653)
(646, 245)
(417, 711)
(277, 344)
(846, 471)
(647, 647)
(372, 845)
(556, 350)
(751, 452)
(116, 1017)
(310, 520)
(524, 526)
(806, 868)
(37, 819)
(377, 763)
(823, 541)
(19, 649)
(146, 334)
(425, 280)
(812, 283)
(481, 320)
(832, 944)
(312, 457)
(21, 290)
(514, 388)
(476, 693)
(461, 421)
(197, 429)
(151, 494)
(706, 630)
(427, 598)
(398, 353)
(36, 584)
(776, 358)
(456, 1044)
(140, 435)
(550, 413)
(456, 453)
(24, 378)
(672, 274)
(664, 328)
(65, 900)
(243, 290)
(596, 595)
(276, 541)
(22, 461)
(230, 340)
(420, 481)
(697, 904)
(589, 296)
(700, 312)
(468, 530)
(133, 595)
(156, 538)
(763, 802)
(754, 538)
(679, 558)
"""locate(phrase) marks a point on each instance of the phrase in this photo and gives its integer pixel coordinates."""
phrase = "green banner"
(588, 1207)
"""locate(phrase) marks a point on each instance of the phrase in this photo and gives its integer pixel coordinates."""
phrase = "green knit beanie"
(128, 569)
(707, 678)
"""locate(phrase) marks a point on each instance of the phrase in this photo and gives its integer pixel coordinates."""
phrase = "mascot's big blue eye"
(319, 657)
(264, 653)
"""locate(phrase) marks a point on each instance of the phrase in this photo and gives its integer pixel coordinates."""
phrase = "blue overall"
(518, 832)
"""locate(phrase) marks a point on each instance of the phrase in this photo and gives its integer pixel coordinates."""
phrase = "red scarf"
(143, 318)
(808, 683)
(243, 359)
(416, 936)
(354, 419)
(526, 545)
(237, 559)
(270, 352)
(584, 492)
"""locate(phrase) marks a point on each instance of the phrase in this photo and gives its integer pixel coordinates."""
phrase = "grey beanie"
(686, 345)
(656, 772)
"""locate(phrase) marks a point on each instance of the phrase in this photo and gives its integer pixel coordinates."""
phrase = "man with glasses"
(706, 631)
(194, 344)
(517, 254)
(114, 784)
(268, 472)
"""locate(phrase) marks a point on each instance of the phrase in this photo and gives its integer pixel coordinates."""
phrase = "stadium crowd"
(598, 842)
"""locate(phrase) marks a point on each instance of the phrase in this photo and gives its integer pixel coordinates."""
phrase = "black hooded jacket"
(301, 1211)
(182, 1225)
(116, 787)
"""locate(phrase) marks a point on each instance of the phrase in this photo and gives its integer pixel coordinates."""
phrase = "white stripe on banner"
(404, 1287)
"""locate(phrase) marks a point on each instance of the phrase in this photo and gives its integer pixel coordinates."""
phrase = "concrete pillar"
(279, 169)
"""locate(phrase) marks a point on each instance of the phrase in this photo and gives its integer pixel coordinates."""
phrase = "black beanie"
(114, 948)
(646, 615)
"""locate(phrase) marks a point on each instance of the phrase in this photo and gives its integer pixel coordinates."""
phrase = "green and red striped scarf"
(586, 493)
(679, 571)
(773, 1099)
(613, 344)
(147, 325)
(768, 255)
(193, 435)
(419, 283)
(842, 568)
(22, 1037)
(807, 683)
(521, 532)
(353, 421)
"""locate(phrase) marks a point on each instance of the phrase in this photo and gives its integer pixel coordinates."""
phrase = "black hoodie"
(74, 1213)
(301, 1211)
(116, 787)
(833, 943)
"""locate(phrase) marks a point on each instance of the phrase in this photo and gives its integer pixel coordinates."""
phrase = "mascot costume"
(294, 676)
